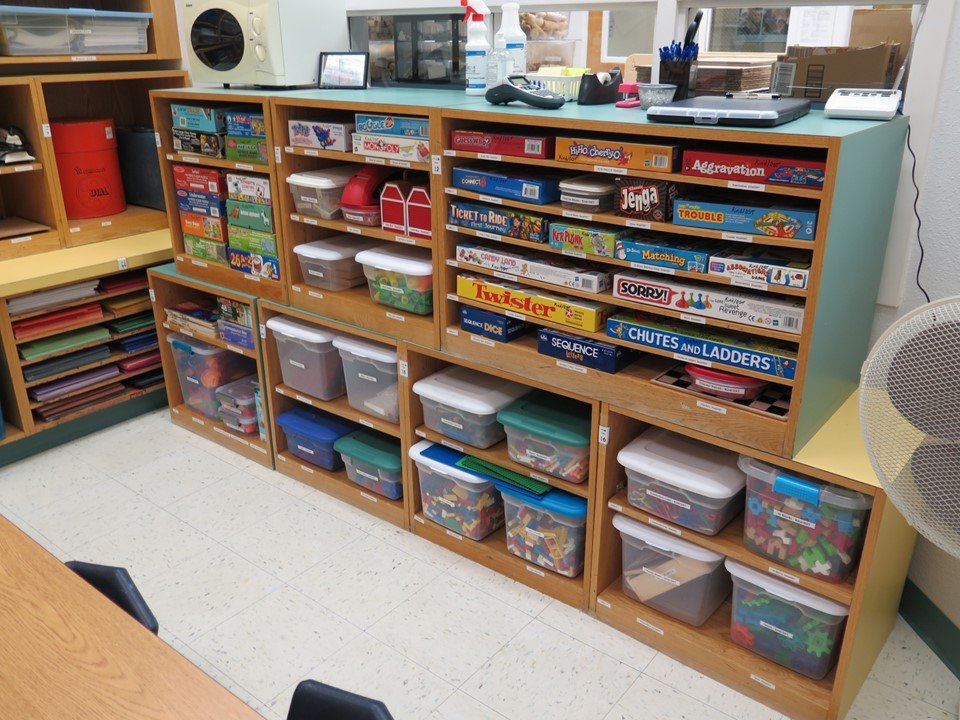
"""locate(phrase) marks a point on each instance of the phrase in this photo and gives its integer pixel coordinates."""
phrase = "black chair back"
(116, 584)
(313, 700)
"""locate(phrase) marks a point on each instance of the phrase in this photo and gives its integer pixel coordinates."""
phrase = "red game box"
(753, 168)
(477, 141)
(393, 206)
(419, 212)
(200, 179)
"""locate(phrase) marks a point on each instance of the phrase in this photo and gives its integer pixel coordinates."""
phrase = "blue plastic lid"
(556, 501)
(315, 424)
(28, 10)
(436, 454)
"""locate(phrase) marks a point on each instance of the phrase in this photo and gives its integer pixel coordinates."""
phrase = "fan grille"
(910, 413)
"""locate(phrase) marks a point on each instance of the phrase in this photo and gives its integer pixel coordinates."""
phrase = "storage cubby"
(169, 288)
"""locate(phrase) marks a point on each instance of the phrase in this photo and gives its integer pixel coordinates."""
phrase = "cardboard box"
(753, 168)
(391, 147)
(876, 25)
(758, 267)
(245, 124)
(199, 179)
(662, 251)
(594, 354)
(254, 216)
(419, 212)
(201, 203)
(249, 188)
(604, 154)
(650, 200)
(391, 125)
(815, 72)
(393, 206)
(498, 221)
(196, 117)
(534, 266)
(247, 149)
(203, 226)
(586, 240)
(491, 325)
(533, 303)
(265, 266)
(196, 142)
(200, 247)
(765, 217)
(528, 146)
(704, 346)
(321, 135)
(722, 303)
(537, 187)
(252, 240)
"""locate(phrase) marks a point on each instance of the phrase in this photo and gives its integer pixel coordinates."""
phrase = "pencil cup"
(683, 74)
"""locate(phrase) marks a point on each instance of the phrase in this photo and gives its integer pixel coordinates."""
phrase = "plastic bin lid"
(469, 390)
(803, 488)
(544, 414)
(240, 391)
(191, 345)
(371, 447)
(785, 590)
(315, 424)
(688, 464)
(329, 179)
(444, 460)
(406, 260)
(554, 501)
(299, 330)
(338, 247)
(74, 11)
(366, 349)
(724, 377)
(588, 183)
(663, 541)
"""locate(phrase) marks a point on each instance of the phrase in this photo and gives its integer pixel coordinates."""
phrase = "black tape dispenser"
(599, 88)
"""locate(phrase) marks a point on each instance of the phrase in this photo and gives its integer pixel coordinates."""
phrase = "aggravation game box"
(532, 303)
(759, 267)
(662, 251)
(753, 168)
(498, 221)
(762, 218)
(703, 346)
(538, 187)
(477, 141)
(719, 302)
(586, 240)
(594, 354)
(611, 154)
(535, 266)
(645, 199)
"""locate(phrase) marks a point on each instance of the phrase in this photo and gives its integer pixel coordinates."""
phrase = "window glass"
(629, 31)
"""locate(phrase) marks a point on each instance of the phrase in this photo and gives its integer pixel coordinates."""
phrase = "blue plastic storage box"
(311, 434)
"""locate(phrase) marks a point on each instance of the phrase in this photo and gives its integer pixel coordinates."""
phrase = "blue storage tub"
(549, 530)
(311, 433)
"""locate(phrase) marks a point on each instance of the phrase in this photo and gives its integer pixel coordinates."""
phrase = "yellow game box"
(615, 155)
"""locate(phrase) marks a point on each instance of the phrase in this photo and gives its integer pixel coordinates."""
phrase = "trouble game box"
(775, 219)
(753, 168)
(528, 146)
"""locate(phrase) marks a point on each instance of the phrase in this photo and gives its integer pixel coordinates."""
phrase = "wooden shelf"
(37, 404)
(340, 486)
(42, 242)
(218, 163)
(20, 168)
(355, 158)
(356, 307)
(227, 277)
(128, 394)
(11, 433)
(709, 649)
(364, 230)
(699, 277)
(579, 168)
(250, 446)
(115, 356)
(77, 59)
(607, 297)
(98, 297)
(499, 455)
(492, 552)
(132, 221)
(94, 343)
(105, 318)
(341, 407)
(214, 340)
(611, 219)
(729, 542)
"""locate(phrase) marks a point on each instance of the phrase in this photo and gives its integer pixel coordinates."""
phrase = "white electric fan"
(910, 417)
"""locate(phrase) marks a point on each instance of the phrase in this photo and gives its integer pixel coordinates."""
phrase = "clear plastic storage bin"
(545, 434)
(202, 369)
(318, 192)
(461, 500)
(463, 404)
(401, 277)
(549, 530)
(793, 627)
(372, 461)
(237, 398)
(308, 360)
(331, 263)
(75, 31)
(588, 193)
(235, 421)
(676, 577)
(684, 481)
(812, 527)
(370, 372)
(311, 433)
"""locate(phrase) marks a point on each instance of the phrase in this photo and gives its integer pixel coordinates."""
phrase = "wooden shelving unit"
(167, 288)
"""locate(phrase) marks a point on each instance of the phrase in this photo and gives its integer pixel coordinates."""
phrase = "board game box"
(538, 187)
(775, 219)
(759, 267)
(491, 325)
(261, 265)
(321, 135)
(392, 125)
(249, 188)
(607, 153)
(529, 146)
(645, 199)
(594, 354)
(247, 149)
(753, 168)
(534, 266)
(391, 147)
(198, 179)
(245, 124)
(201, 203)
(498, 221)
(662, 251)
(589, 240)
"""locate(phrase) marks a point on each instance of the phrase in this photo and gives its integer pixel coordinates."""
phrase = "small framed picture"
(344, 70)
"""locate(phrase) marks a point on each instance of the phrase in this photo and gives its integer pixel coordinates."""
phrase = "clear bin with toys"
(812, 527)
(202, 369)
(370, 373)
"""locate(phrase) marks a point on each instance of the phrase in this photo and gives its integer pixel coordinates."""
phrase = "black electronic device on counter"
(746, 112)
(600, 88)
(520, 88)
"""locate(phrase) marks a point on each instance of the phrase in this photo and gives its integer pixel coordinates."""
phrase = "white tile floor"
(262, 581)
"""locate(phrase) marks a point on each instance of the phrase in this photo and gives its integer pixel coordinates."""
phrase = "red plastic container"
(89, 168)
(724, 384)
(360, 202)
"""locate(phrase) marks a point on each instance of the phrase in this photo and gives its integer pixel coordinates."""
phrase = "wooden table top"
(68, 653)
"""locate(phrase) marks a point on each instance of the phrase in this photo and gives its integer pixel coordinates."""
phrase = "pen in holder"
(683, 74)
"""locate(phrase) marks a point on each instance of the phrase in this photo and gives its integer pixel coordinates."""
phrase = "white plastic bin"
(370, 372)
(587, 193)
(685, 481)
(792, 627)
(309, 362)
(331, 263)
(463, 404)
(674, 576)
(75, 31)
(318, 192)
(400, 277)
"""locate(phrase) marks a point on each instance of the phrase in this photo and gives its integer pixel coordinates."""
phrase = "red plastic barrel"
(89, 167)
